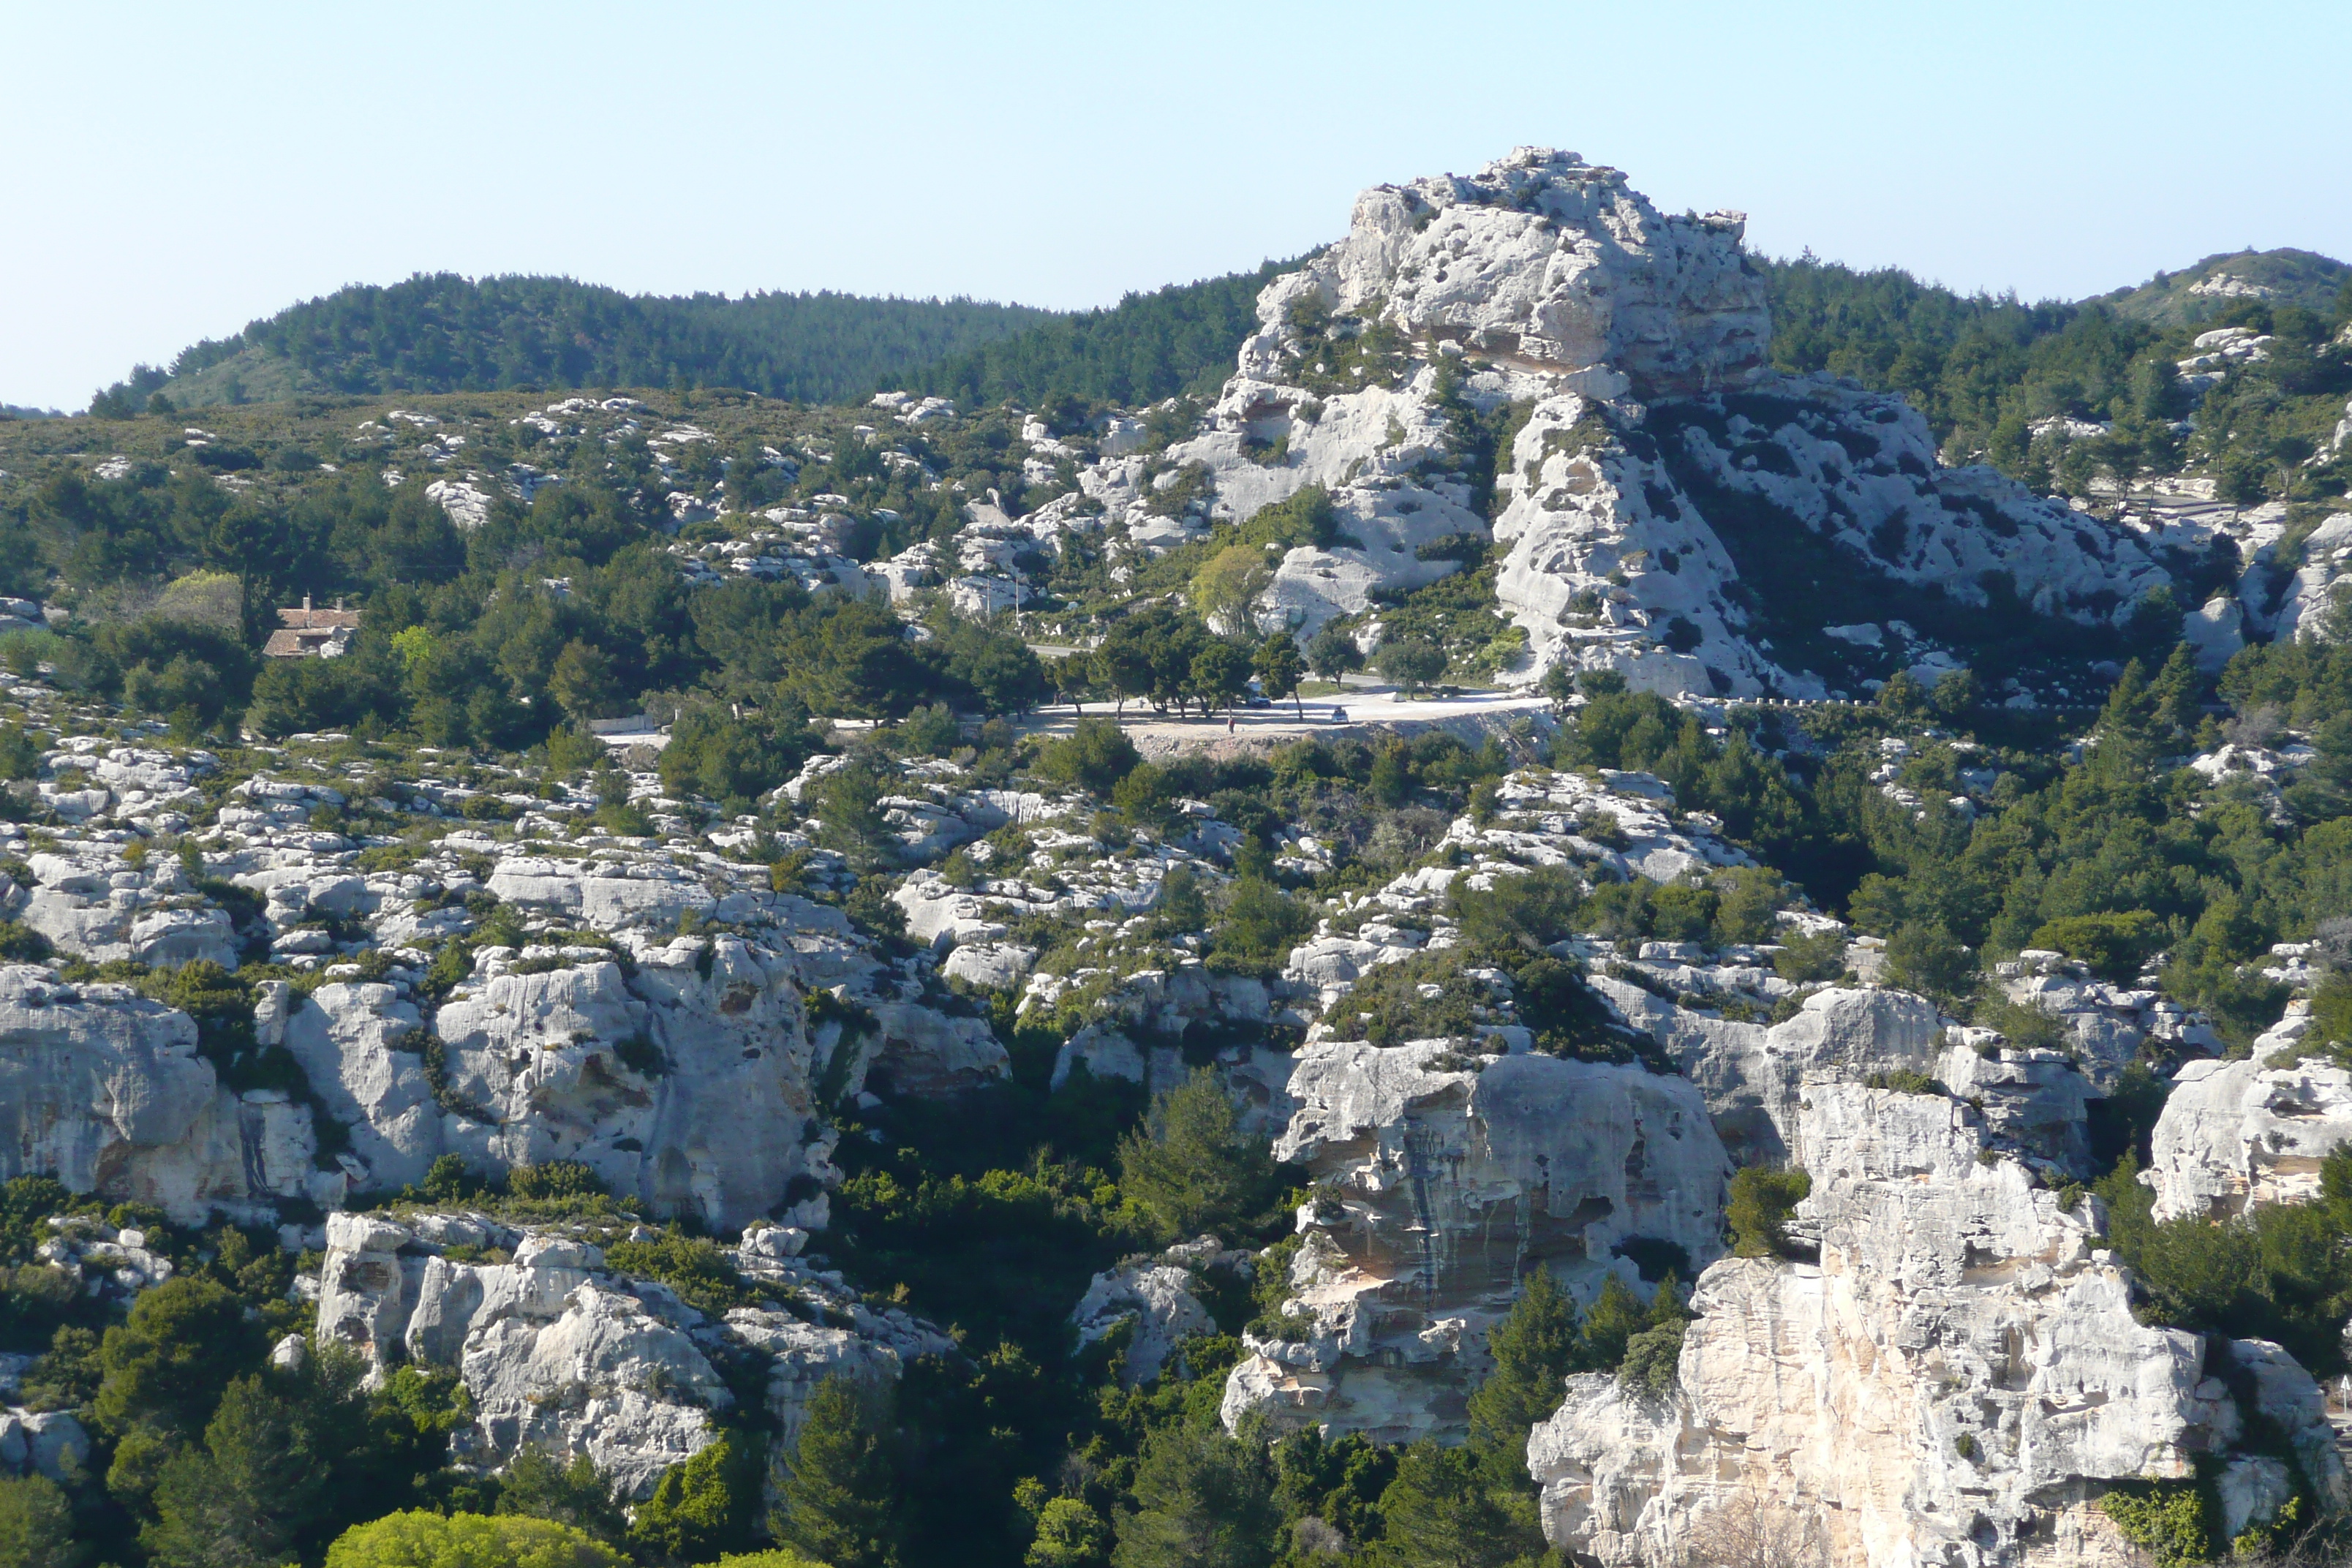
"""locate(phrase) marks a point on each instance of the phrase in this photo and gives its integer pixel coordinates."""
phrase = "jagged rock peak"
(1551, 265)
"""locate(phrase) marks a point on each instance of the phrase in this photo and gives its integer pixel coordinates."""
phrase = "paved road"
(1161, 732)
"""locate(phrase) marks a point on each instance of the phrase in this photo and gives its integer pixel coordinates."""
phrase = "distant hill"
(2201, 292)
(1966, 361)
(445, 334)
(1179, 339)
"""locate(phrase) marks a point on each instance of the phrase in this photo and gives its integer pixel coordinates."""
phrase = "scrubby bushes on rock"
(1761, 1204)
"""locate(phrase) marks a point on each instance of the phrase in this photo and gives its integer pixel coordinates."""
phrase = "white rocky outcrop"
(1152, 1299)
(1450, 1178)
(2237, 1135)
(1753, 1075)
(1958, 1379)
(104, 1090)
(558, 1351)
(1654, 438)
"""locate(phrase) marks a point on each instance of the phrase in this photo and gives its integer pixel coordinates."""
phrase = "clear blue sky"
(174, 171)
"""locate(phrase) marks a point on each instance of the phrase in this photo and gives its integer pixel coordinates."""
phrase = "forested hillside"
(447, 333)
(1990, 373)
(1180, 339)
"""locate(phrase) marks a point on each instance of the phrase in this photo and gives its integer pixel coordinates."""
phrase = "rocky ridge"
(1652, 459)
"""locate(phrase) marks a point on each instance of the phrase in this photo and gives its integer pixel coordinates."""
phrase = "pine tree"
(244, 1496)
(538, 1485)
(1455, 1508)
(35, 1525)
(840, 1503)
(702, 1507)
(1535, 1348)
(1616, 1317)
(1191, 1165)
(1204, 1501)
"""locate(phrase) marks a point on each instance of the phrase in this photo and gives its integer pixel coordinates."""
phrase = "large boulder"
(1752, 1074)
(1450, 1178)
(2235, 1136)
(1153, 1300)
(690, 1084)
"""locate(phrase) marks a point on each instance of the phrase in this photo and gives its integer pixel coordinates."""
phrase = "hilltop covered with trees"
(441, 332)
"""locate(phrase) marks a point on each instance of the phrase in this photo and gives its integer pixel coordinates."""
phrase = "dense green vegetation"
(1177, 340)
(442, 333)
(1984, 370)
(547, 614)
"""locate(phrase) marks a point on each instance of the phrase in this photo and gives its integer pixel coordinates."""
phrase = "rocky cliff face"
(1957, 1380)
(1441, 1181)
(104, 1090)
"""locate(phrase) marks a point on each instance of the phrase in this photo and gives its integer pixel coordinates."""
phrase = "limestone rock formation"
(1654, 459)
(1153, 1300)
(104, 1089)
(1968, 1376)
(2236, 1135)
(1451, 1177)
(557, 1350)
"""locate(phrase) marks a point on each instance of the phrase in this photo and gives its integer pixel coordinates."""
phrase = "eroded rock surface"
(1454, 1177)
(104, 1089)
(1967, 1374)
(559, 1351)
(2237, 1135)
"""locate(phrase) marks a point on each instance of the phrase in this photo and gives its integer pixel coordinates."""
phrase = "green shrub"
(1259, 924)
(701, 1273)
(1097, 755)
(2172, 1521)
(1761, 1204)
(2112, 945)
(1923, 956)
(417, 1539)
(1810, 959)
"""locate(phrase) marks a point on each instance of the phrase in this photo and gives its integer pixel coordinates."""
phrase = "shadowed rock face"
(1454, 1177)
(1957, 1380)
